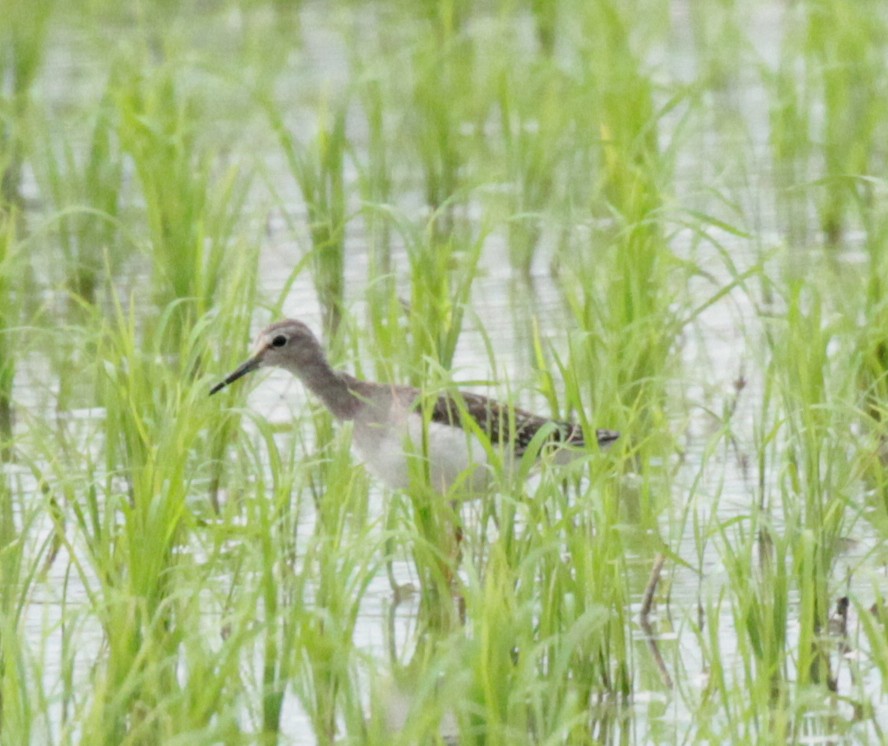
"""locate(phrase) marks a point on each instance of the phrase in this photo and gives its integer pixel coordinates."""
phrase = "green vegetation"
(668, 219)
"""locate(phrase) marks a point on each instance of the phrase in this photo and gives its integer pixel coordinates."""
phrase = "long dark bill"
(248, 367)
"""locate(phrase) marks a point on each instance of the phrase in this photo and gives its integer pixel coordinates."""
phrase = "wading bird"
(393, 424)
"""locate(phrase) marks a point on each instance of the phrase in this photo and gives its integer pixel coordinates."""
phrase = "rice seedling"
(10, 264)
(341, 569)
(819, 479)
(844, 54)
(23, 36)
(534, 121)
(871, 308)
(86, 197)
(438, 114)
(616, 282)
(146, 524)
(375, 181)
(192, 210)
(319, 170)
(791, 143)
(20, 568)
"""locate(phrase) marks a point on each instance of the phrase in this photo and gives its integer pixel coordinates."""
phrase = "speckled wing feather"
(502, 423)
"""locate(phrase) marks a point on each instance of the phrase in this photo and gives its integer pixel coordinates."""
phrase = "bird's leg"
(453, 582)
(400, 590)
(436, 552)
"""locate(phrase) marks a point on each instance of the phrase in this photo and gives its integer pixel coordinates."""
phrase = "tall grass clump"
(781, 552)
(791, 136)
(126, 524)
(311, 553)
(14, 704)
(10, 267)
(417, 344)
(719, 43)
(23, 37)
(200, 263)
(151, 422)
(416, 334)
(845, 58)
(871, 317)
(319, 169)
(192, 205)
(342, 558)
(377, 189)
(25, 550)
(535, 124)
(122, 491)
(584, 617)
(866, 312)
(441, 276)
(264, 587)
(230, 334)
(818, 479)
(441, 118)
(85, 191)
(619, 279)
(544, 653)
(758, 564)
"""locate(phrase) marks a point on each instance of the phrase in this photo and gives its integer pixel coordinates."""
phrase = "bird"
(394, 423)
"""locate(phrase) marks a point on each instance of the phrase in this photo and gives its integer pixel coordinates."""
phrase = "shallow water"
(721, 348)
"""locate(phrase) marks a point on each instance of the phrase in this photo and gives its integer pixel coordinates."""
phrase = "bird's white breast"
(401, 448)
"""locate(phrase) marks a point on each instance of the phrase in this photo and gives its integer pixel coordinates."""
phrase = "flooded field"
(665, 218)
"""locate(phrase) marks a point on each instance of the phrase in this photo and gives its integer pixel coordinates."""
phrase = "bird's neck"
(331, 387)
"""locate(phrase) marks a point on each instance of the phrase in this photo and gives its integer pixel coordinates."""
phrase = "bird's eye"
(279, 341)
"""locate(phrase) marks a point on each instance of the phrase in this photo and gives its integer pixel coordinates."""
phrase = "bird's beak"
(254, 363)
